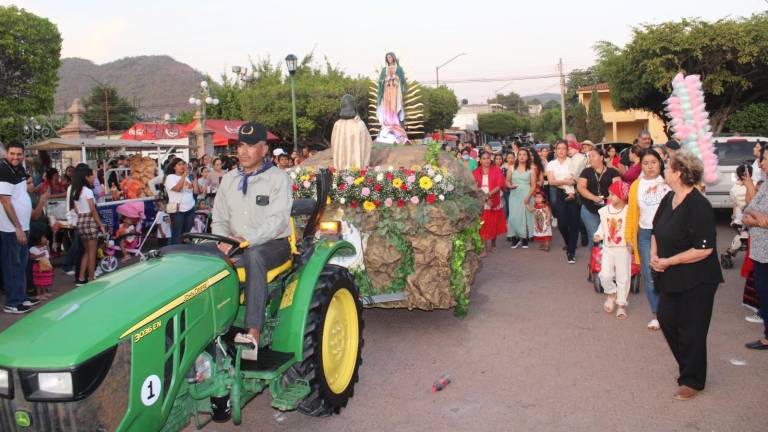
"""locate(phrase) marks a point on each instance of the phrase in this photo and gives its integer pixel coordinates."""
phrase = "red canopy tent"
(224, 131)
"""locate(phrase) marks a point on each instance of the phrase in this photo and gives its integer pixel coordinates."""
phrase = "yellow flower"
(369, 205)
(396, 183)
(305, 177)
(425, 183)
(328, 200)
(359, 180)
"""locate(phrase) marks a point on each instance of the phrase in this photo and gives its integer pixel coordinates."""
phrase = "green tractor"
(151, 346)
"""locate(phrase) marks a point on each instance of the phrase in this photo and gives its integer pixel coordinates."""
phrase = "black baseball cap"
(252, 133)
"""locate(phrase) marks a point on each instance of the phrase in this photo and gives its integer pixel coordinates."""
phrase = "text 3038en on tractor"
(150, 347)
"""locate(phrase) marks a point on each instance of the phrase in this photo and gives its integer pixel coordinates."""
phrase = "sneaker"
(525, 244)
(79, 282)
(69, 272)
(756, 319)
(98, 272)
(31, 301)
(16, 310)
(654, 324)
(516, 244)
(571, 259)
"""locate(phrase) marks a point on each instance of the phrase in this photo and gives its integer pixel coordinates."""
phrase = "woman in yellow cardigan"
(645, 195)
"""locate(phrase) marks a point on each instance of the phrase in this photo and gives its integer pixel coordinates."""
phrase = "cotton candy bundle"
(690, 122)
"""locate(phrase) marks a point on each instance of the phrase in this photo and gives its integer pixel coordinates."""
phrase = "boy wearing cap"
(616, 256)
(253, 204)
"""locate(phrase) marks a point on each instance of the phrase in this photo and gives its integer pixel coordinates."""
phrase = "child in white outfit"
(617, 257)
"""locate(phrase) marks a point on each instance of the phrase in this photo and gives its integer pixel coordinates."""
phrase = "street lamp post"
(202, 101)
(437, 68)
(242, 79)
(290, 61)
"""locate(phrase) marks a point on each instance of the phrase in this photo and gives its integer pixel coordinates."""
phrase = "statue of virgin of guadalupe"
(389, 102)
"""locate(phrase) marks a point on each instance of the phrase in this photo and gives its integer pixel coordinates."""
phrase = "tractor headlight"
(68, 384)
(330, 228)
(57, 384)
(5, 383)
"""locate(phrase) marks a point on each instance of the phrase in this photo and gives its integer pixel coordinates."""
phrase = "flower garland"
(462, 242)
(379, 187)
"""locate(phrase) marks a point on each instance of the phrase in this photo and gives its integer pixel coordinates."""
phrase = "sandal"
(609, 304)
(250, 353)
(621, 313)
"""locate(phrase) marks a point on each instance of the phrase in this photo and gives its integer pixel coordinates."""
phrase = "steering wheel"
(236, 244)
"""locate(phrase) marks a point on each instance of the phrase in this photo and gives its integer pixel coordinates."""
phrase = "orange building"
(623, 126)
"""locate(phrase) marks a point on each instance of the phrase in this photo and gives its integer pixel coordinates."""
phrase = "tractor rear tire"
(332, 385)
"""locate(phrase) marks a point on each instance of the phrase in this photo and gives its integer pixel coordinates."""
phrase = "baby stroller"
(108, 250)
(738, 244)
(594, 266)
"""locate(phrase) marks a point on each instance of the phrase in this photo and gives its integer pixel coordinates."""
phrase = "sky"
(501, 39)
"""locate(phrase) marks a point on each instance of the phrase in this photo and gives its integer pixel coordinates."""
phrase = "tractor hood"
(92, 318)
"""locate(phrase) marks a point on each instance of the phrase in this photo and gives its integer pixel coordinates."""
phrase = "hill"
(543, 97)
(156, 84)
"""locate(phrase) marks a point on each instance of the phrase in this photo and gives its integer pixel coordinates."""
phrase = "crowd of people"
(644, 206)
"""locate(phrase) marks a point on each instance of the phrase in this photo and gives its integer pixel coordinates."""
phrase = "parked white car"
(731, 152)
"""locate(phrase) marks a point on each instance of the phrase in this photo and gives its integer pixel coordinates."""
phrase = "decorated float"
(412, 211)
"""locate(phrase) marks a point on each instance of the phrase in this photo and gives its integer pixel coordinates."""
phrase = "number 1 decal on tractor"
(150, 390)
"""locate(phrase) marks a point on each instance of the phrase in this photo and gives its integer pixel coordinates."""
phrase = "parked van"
(731, 152)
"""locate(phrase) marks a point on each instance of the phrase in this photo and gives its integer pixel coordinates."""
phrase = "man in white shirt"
(14, 228)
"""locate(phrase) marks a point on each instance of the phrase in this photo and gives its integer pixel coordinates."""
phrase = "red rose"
(389, 176)
(362, 173)
(353, 204)
(295, 188)
(342, 186)
(377, 202)
(332, 170)
(408, 172)
(401, 203)
(403, 187)
(369, 181)
(431, 198)
(377, 187)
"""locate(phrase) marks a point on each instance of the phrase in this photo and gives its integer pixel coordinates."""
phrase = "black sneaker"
(525, 243)
(16, 310)
(79, 282)
(31, 301)
(571, 259)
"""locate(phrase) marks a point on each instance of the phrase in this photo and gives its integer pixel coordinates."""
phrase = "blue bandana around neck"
(244, 177)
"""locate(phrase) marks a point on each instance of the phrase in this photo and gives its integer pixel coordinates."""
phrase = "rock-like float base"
(429, 251)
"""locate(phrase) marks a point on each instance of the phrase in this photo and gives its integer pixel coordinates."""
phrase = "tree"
(546, 127)
(228, 94)
(511, 102)
(440, 107)
(595, 123)
(31, 48)
(752, 119)
(579, 126)
(318, 99)
(105, 99)
(731, 55)
(500, 124)
(552, 104)
(577, 79)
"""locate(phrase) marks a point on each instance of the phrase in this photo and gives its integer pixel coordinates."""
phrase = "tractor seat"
(271, 273)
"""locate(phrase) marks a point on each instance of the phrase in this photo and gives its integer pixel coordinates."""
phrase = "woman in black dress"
(684, 259)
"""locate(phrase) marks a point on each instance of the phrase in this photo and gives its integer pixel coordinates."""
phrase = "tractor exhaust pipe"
(324, 178)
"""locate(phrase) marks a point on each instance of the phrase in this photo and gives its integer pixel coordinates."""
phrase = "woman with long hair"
(521, 182)
(509, 165)
(490, 180)
(645, 195)
(88, 222)
(756, 218)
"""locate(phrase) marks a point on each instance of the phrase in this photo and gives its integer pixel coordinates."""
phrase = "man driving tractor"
(253, 204)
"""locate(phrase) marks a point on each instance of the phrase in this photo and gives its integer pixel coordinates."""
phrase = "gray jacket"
(235, 214)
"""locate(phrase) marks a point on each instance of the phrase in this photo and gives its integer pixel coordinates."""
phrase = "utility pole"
(562, 95)
(437, 77)
(106, 108)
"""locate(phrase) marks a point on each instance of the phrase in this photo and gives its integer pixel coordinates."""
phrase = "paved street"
(537, 353)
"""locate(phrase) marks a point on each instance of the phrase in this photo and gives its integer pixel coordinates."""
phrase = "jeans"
(644, 249)
(181, 223)
(259, 259)
(761, 286)
(567, 221)
(72, 258)
(13, 259)
(590, 221)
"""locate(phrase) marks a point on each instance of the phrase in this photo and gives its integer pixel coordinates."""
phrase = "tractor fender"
(288, 335)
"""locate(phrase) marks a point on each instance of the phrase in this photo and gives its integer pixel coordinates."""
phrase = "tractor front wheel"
(333, 343)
